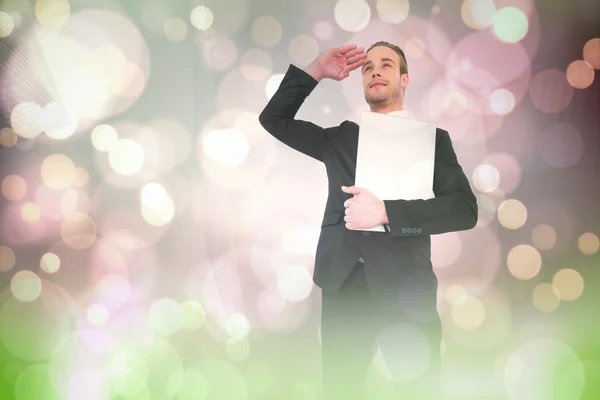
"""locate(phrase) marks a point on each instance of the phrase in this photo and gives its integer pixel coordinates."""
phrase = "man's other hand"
(337, 63)
(364, 210)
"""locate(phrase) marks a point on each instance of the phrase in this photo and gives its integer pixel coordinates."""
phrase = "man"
(378, 288)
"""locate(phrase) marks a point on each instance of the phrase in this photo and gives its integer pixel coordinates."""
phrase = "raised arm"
(454, 207)
(278, 116)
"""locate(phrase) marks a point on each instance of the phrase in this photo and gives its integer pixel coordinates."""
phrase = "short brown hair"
(403, 64)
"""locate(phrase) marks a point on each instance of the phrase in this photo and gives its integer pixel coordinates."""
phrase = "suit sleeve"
(278, 115)
(454, 207)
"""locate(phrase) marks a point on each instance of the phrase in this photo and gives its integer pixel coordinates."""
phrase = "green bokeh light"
(510, 24)
(29, 331)
(36, 383)
(166, 316)
(193, 315)
(193, 386)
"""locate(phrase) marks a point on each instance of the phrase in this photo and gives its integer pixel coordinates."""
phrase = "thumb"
(351, 189)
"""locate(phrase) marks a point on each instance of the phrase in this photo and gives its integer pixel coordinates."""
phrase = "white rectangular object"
(396, 158)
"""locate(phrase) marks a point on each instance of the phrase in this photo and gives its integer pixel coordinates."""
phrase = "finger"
(356, 57)
(351, 189)
(350, 226)
(356, 52)
(353, 66)
(345, 49)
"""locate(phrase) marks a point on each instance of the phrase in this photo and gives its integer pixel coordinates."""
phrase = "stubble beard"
(378, 99)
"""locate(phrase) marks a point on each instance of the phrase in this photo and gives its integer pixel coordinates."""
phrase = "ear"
(404, 79)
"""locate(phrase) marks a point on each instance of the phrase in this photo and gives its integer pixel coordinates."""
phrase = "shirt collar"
(401, 113)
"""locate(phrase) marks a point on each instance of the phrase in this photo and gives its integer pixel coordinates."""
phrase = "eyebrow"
(371, 62)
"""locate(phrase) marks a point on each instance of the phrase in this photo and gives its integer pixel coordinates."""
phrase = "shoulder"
(348, 125)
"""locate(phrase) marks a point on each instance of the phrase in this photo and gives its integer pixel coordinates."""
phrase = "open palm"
(339, 62)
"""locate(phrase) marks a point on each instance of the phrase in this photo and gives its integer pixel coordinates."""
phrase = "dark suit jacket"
(396, 259)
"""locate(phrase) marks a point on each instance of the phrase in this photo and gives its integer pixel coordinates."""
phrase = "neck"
(386, 108)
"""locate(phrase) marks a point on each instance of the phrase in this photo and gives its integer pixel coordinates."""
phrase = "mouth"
(377, 84)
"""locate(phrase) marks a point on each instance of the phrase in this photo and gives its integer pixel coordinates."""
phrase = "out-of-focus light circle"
(127, 157)
(273, 84)
(222, 52)
(202, 18)
(193, 386)
(237, 350)
(580, 74)
(454, 103)
(97, 314)
(104, 137)
(193, 315)
(524, 262)
(30, 212)
(550, 91)
(175, 29)
(52, 13)
(544, 237)
(478, 14)
(82, 177)
(13, 187)
(165, 316)
(445, 250)
(303, 50)
(468, 313)
(154, 15)
(6, 24)
(542, 363)
(7, 259)
(228, 147)
(237, 326)
(25, 119)
(509, 169)
(267, 31)
(456, 294)
(512, 214)
(8, 137)
(588, 243)
(502, 101)
(568, 284)
(561, 145)
(36, 382)
(486, 178)
(157, 207)
(58, 171)
(323, 30)
(352, 15)
(26, 286)
(591, 52)
(392, 11)
(78, 231)
(257, 65)
(50, 263)
(510, 24)
(544, 297)
(414, 48)
(294, 283)
(59, 121)
(396, 344)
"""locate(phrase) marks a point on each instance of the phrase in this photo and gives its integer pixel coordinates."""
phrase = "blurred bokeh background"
(157, 243)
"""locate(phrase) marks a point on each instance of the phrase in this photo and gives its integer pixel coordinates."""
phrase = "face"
(382, 82)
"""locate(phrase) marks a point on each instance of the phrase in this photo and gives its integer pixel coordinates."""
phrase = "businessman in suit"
(379, 291)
